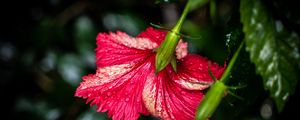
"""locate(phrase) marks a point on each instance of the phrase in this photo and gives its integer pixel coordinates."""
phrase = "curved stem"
(165, 52)
(216, 92)
(211, 101)
(179, 23)
(226, 74)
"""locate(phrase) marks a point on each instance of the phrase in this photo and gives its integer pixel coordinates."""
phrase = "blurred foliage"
(273, 49)
(47, 46)
(243, 77)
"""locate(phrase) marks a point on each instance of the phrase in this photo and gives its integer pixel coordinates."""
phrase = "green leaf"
(273, 50)
(242, 74)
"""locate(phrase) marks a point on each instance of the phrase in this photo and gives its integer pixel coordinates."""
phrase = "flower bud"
(166, 51)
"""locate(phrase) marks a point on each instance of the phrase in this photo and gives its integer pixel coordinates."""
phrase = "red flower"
(126, 85)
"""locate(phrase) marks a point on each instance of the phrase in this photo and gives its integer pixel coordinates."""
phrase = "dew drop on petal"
(172, 117)
(159, 90)
(108, 93)
(168, 106)
(127, 99)
(132, 82)
(158, 109)
(165, 115)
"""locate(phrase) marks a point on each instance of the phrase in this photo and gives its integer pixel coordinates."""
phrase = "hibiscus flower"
(126, 84)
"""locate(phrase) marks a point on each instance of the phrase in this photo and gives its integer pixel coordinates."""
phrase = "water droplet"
(172, 117)
(159, 90)
(108, 93)
(168, 106)
(165, 114)
(158, 109)
(127, 99)
(132, 82)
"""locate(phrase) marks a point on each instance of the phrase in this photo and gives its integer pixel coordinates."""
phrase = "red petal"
(154, 35)
(181, 49)
(119, 48)
(193, 72)
(117, 89)
(158, 36)
(123, 67)
(126, 85)
(168, 100)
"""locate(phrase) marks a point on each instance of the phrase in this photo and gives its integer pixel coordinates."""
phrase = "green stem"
(226, 73)
(165, 53)
(179, 23)
(211, 101)
(216, 92)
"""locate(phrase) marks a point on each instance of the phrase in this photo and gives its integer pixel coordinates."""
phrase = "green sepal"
(211, 101)
(210, 72)
(216, 92)
(165, 52)
(174, 64)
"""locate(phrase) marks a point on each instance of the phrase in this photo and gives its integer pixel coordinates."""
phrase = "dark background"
(46, 46)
